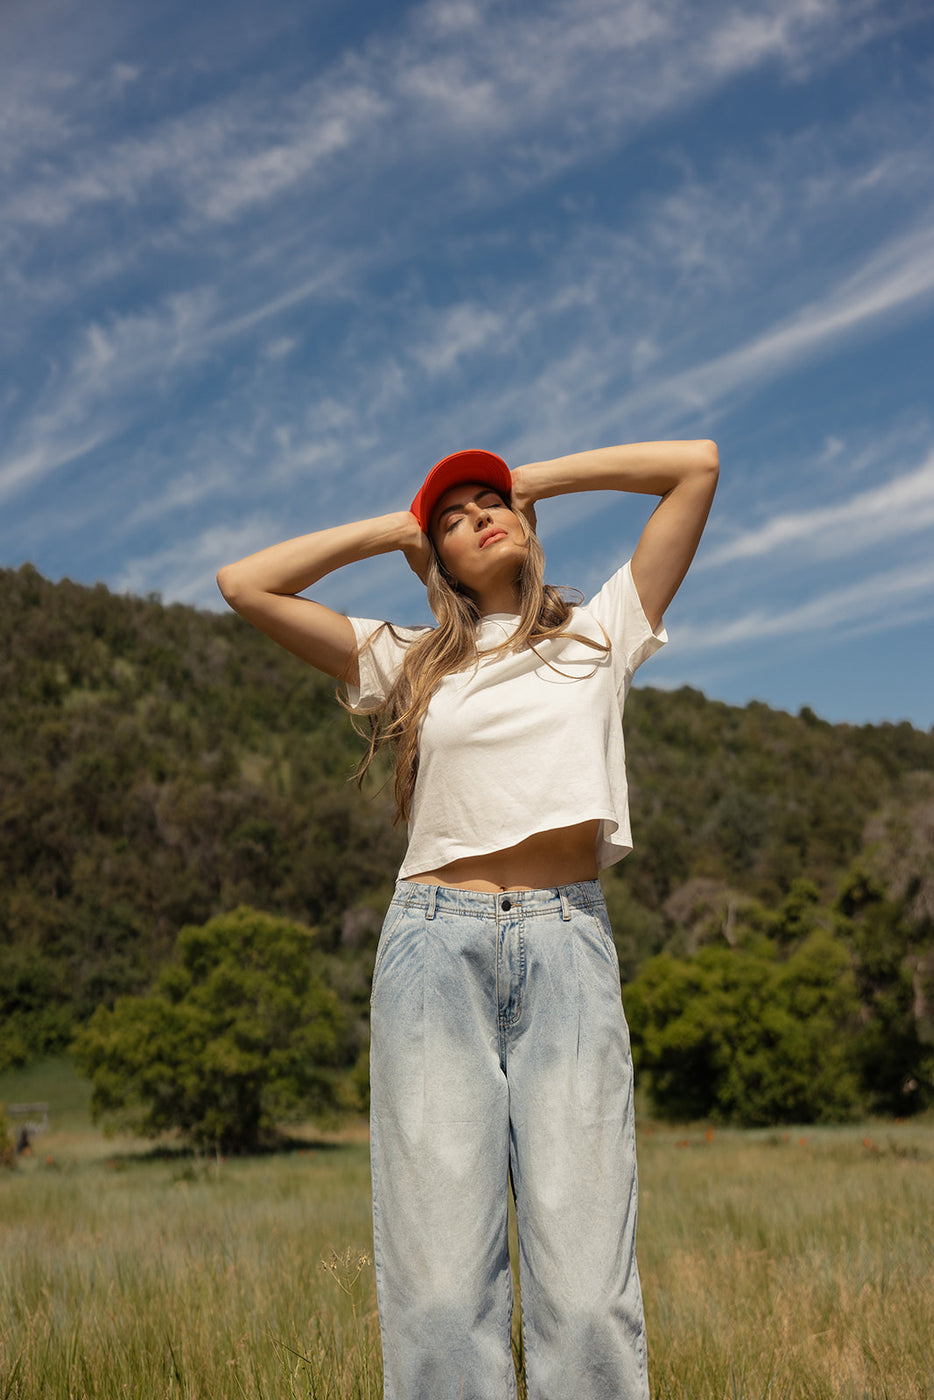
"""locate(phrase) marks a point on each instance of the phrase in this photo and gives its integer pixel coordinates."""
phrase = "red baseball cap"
(473, 464)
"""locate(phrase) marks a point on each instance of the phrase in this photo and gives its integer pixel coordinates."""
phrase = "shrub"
(740, 1037)
(236, 1037)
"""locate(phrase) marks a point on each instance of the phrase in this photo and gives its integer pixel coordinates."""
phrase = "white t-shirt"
(520, 742)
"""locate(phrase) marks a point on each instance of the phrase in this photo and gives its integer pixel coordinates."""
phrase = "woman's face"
(479, 538)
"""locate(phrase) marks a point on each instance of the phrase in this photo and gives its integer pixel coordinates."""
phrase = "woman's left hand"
(521, 498)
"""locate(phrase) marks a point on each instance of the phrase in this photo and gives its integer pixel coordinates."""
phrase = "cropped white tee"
(519, 742)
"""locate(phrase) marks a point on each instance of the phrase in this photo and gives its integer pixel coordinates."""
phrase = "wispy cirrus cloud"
(58, 446)
(895, 280)
(897, 510)
(185, 569)
(462, 330)
(902, 594)
(91, 398)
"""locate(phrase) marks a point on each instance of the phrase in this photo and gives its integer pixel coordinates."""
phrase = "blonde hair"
(451, 646)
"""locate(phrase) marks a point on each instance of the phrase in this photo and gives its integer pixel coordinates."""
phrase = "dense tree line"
(160, 766)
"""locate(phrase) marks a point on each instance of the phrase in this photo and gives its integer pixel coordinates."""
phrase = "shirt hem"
(615, 843)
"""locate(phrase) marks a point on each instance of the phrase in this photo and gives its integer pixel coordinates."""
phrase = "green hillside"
(160, 765)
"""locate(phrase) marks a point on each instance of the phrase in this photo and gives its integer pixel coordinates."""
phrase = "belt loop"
(430, 911)
(565, 906)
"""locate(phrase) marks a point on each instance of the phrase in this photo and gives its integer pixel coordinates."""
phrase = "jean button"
(506, 905)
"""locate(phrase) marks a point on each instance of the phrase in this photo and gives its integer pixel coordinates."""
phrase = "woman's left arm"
(683, 474)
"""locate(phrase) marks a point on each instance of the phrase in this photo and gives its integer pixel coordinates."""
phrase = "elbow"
(709, 457)
(227, 583)
(705, 465)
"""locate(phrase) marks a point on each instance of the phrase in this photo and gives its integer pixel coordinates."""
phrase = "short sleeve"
(618, 609)
(380, 651)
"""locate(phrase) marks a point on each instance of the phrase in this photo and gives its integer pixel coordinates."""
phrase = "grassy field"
(774, 1264)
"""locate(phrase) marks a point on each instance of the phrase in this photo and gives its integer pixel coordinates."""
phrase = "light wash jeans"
(498, 1042)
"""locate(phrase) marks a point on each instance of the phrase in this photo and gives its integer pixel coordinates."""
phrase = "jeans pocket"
(394, 917)
(602, 920)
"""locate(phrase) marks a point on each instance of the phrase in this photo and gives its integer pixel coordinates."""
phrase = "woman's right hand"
(415, 546)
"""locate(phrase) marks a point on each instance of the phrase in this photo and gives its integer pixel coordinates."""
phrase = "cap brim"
(473, 464)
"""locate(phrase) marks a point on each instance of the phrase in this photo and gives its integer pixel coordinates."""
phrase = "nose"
(483, 517)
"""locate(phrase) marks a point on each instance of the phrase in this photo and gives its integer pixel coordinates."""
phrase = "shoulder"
(618, 608)
(381, 648)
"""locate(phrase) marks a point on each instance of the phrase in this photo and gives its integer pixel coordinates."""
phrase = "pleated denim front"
(498, 1043)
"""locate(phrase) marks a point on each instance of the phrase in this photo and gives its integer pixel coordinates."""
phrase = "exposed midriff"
(563, 856)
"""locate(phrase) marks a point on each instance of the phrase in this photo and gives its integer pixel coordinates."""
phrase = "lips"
(497, 533)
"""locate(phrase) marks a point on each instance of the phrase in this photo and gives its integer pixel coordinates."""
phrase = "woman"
(498, 1042)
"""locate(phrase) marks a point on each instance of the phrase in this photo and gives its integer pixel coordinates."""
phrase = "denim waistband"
(483, 904)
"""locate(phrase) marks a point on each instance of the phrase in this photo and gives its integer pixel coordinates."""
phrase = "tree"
(738, 1036)
(236, 1037)
(891, 951)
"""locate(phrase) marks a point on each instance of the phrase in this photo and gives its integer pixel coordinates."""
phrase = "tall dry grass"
(774, 1265)
(790, 1264)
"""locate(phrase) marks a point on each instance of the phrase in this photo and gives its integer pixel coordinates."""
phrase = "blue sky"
(263, 264)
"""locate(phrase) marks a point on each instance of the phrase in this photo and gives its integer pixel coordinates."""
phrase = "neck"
(504, 599)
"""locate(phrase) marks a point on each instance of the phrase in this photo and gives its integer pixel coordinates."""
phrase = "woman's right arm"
(264, 587)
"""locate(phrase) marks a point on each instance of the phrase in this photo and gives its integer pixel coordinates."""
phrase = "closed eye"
(491, 502)
(454, 514)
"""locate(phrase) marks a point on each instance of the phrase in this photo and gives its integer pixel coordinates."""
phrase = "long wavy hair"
(544, 612)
